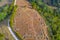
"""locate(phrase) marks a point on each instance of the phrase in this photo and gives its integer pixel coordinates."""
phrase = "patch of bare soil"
(29, 23)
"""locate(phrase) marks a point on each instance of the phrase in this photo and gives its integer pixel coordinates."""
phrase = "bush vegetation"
(6, 10)
(19, 36)
(1, 36)
(12, 22)
(3, 12)
(13, 13)
(52, 17)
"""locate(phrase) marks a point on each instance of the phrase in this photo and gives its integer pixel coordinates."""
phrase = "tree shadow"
(4, 23)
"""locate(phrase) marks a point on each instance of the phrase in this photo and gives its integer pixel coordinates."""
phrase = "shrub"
(51, 16)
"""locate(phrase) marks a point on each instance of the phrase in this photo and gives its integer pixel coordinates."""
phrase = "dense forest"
(6, 10)
(50, 11)
(55, 3)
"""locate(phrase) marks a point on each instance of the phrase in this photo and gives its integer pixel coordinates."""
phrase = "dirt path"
(29, 23)
(11, 31)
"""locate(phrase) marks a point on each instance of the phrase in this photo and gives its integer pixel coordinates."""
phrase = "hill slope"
(29, 23)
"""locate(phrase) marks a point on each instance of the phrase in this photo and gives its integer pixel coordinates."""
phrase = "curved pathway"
(11, 31)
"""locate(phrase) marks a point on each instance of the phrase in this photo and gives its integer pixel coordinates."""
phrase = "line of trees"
(1, 36)
(13, 13)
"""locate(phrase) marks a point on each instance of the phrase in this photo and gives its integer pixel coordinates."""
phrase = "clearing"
(29, 23)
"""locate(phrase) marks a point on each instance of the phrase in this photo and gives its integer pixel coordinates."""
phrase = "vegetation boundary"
(12, 19)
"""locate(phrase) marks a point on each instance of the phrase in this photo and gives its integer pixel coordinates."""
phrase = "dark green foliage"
(52, 17)
(55, 3)
(5, 11)
(12, 23)
(12, 16)
(19, 36)
(1, 36)
(0, 0)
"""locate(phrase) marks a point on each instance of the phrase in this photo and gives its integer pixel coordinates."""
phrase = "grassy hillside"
(51, 16)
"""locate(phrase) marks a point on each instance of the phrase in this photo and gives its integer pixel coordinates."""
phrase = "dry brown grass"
(29, 23)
